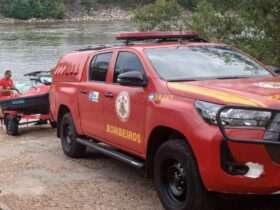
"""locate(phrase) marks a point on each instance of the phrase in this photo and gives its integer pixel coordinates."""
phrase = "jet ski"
(33, 100)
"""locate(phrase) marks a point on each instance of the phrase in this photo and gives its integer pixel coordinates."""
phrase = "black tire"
(53, 124)
(177, 178)
(68, 136)
(11, 124)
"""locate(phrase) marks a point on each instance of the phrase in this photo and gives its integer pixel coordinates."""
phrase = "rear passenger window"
(99, 67)
(126, 62)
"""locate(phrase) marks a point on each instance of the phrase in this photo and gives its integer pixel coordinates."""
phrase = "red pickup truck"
(198, 117)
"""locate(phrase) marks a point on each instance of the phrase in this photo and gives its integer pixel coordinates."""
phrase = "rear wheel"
(11, 124)
(177, 179)
(68, 137)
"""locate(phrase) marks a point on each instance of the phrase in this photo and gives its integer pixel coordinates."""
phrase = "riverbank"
(100, 15)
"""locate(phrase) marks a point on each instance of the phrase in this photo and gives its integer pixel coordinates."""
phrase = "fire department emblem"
(123, 106)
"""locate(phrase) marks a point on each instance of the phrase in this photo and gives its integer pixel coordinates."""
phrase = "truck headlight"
(235, 117)
(208, 111)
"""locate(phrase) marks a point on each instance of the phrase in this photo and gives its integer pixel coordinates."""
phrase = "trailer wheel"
(11, 124)
(177, 178)
(68, 137)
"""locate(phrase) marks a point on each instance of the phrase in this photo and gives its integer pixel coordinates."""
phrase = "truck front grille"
(272, 132)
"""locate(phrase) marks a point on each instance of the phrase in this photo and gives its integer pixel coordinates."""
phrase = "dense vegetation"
(25, 9)
(161, 15)
(252, 25)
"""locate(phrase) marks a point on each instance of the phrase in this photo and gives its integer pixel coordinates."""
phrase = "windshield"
(206, 62)
(23, 86)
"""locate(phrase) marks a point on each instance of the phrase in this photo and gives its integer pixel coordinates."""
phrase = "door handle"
(109, 95)
(84, 92)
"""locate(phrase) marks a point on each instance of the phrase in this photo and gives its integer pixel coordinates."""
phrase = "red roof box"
(140, 36)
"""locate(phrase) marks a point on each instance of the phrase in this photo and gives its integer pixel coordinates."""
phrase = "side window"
(126, 62)
(99, 67)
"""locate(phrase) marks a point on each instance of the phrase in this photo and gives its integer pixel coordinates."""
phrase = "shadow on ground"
(250, 203)
(33, 130)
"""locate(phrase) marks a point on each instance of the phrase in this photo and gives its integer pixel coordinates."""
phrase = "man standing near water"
(7, 84)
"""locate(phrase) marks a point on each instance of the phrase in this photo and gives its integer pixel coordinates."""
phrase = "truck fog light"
(255, 170)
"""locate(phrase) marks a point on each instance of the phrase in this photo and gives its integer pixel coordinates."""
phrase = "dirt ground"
(36, 175)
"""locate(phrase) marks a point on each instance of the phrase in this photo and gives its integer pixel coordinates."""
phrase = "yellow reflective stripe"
(274, 97)
(220, 95)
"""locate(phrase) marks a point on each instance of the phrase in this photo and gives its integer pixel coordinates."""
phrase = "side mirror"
(275, 69)
(132, 78)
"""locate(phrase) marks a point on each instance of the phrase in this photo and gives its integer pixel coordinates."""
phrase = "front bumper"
(270, 137)
(249, 164)
(272, 131)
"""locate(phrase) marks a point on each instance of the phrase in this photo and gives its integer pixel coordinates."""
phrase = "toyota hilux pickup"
(195, 116)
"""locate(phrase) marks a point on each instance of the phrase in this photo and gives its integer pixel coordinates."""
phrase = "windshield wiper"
(207, 78)
(182, 80)
(233, 77)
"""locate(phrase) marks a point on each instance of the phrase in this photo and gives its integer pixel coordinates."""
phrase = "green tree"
(26, 9)
(88, 4)
(188, 4)
(252, 25)
(21, 9)
(53, 8)
(161, 15)
(124, 3)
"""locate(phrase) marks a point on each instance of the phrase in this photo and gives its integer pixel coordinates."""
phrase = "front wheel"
(53, 124)
(68, 137)
(177, 179)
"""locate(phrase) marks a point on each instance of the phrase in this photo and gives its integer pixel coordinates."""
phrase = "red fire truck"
(198, 117)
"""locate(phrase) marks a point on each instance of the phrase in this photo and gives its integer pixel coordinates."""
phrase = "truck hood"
(257, 92)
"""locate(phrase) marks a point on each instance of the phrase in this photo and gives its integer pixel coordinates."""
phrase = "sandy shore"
(36, 175)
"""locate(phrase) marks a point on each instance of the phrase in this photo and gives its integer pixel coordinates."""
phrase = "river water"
(25, 48)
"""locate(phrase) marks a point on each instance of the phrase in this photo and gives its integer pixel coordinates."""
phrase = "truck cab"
(197, 117)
